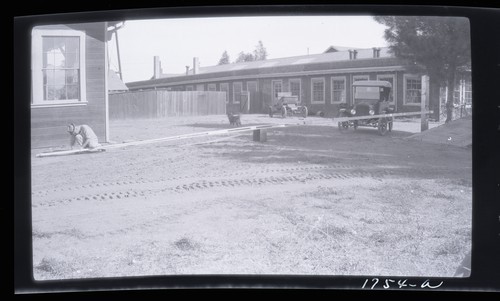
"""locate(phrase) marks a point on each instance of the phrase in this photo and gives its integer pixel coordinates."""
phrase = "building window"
(317, 90)
(355, 78)
(338, 89)
(390, 78)
(58, 67)
(412, 90)
(211, 87)
(224, 87)
(295, 87)
(237, 91)
(277, 89)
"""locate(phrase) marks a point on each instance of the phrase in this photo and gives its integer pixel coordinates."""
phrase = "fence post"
(260, 135)
(424, 104)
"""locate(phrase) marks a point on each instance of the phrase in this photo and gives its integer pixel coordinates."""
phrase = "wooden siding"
(162, 103)
(48, 124)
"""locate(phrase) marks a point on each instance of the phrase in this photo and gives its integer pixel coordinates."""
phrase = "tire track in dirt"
(215, 175)
(222, 180)
(163, 186)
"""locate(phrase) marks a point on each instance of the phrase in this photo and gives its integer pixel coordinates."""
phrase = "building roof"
(334, 48)
(294, 60)
(115, 83)
(306, 63)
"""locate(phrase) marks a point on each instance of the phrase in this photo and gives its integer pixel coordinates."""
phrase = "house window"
(390, 78)
(224, 87)
(58, 67)
(295, 88)
(277, 89)
(211, 87)
(412, 90)
(355, 78)
(338, 90)
(317, 90)
(237, 91)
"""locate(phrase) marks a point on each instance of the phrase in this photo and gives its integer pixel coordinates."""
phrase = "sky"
(178, 41)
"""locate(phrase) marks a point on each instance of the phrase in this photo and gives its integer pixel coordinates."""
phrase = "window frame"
(227, 90)
(37, 100)
(211, 87)
(333, 78)
(299, 81)
(405, 78)
(322, 80)
(234, 92)
(394, 85)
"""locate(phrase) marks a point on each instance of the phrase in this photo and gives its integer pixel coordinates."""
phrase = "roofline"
(267, 75)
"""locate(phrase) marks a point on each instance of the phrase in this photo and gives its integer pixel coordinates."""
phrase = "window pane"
(318, 87)
(72, 44)
(59, 78)
(72, 76)
(48, 77)
(72, 60)
(49, 92)
(59, 60)
(73, 91)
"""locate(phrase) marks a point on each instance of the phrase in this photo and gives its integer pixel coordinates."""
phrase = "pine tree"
(224, 58)
(439, 46)
(260, 52)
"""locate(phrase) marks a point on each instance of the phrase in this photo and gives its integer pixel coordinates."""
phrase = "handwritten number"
(387, 285)
(364, 284)
(376, 281)
(402, 283)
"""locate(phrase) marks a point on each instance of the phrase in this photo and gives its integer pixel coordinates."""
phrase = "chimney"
(376, 52)
(157, 67)
(187, 70)
(196, 65)
(351, 55)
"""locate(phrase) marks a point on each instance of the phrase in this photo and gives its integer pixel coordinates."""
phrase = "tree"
(244, 57)
(260, 52)
(439, 46)
(224, 58)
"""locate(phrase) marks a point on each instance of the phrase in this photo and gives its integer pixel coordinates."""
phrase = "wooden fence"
(161, 103)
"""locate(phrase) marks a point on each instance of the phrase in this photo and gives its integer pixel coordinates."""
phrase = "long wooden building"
(321, 81)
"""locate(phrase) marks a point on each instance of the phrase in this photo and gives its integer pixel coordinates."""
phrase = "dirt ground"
(309, 201)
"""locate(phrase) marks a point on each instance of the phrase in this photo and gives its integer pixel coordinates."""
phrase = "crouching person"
(82, 135)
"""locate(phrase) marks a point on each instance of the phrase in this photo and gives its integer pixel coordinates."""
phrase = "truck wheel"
(283, 112)
(343, 125)
(382, 126)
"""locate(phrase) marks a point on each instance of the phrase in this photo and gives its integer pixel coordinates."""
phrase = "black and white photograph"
(321, 145)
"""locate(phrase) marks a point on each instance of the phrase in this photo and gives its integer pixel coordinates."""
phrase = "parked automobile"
(371, 97)
(288, 105)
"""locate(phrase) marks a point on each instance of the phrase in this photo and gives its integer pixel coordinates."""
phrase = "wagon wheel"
(343, 125)
(382, 126)
(283, 111)
(270, 112)
(304, 112)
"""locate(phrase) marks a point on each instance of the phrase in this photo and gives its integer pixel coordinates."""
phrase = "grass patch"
(440, 195)
(185, 244)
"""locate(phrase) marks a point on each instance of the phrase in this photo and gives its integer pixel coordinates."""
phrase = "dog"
(234, 119)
